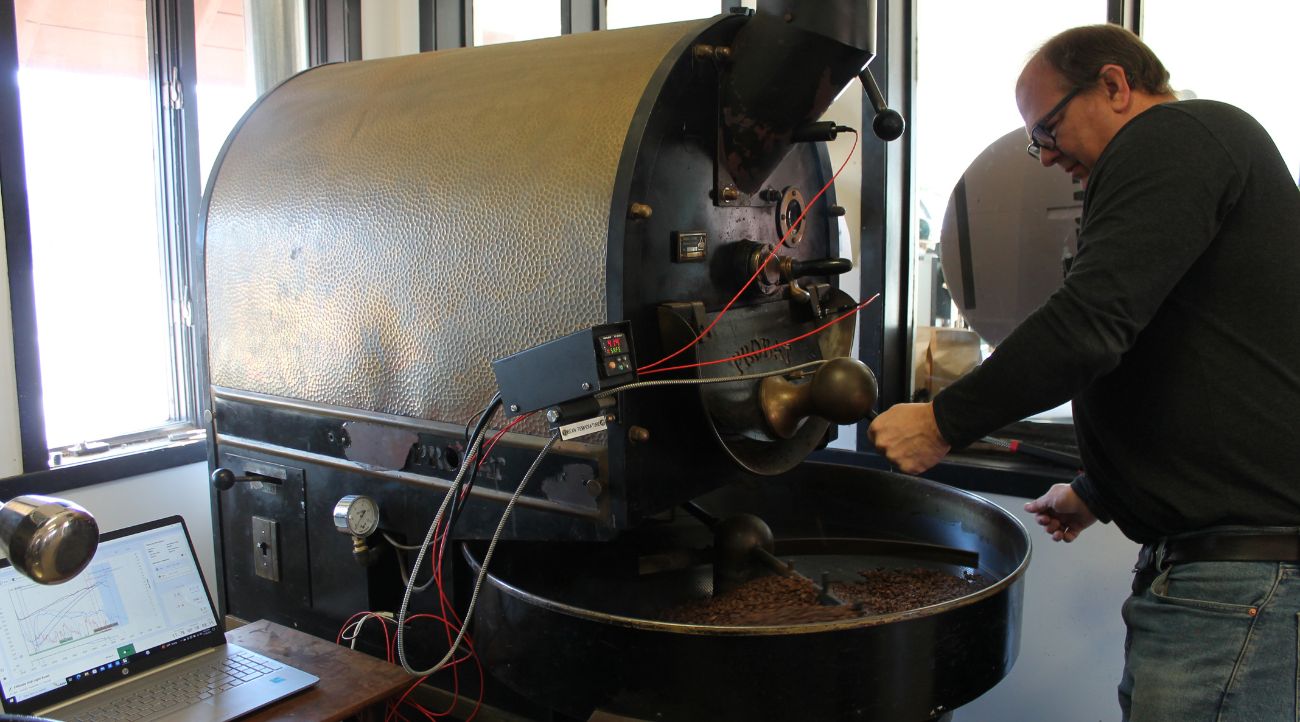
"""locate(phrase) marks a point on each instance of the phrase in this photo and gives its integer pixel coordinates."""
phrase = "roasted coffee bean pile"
(769, 600)
(886, 591)
(776, 600)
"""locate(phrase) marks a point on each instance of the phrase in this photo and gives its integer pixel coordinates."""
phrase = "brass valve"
(842, 391)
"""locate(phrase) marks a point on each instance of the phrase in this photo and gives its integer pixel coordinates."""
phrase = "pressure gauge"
(357, 515)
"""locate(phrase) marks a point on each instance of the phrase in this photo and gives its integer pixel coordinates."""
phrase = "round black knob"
(888, 125)
(223, 479)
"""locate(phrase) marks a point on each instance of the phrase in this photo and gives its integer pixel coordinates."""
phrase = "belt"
(1247, 547)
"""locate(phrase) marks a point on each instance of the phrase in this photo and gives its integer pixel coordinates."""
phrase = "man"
(1177, 336)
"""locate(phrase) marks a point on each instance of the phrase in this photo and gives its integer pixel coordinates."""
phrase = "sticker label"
(582, 428)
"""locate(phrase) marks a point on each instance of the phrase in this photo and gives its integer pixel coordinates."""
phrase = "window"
(1240, 57)
(239, 56)
(964, 102)
(104, 324)
(111, 175)
(632, 13)
(505, 21)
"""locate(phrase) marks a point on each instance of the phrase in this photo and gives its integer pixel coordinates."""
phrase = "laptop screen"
(140, 603)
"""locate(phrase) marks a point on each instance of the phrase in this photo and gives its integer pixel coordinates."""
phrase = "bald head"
(1078, 53)
(1076, 93)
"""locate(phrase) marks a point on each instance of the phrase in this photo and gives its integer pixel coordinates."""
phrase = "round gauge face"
(358, 514)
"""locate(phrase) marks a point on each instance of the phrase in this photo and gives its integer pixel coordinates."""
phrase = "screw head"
(552, 415)
(514, 408)
(586, 386)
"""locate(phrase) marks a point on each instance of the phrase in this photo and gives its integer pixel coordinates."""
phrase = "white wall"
(1072, 639)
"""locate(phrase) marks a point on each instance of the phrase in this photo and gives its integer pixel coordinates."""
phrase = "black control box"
(567, 368)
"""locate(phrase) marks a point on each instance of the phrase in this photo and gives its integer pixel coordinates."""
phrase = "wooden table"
(350, 682)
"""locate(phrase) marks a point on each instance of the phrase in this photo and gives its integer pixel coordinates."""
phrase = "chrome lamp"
(48, 540)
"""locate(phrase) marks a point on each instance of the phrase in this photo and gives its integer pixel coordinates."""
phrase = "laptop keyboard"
(183, 690)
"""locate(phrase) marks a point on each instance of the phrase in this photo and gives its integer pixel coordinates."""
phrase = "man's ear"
(1119, 94)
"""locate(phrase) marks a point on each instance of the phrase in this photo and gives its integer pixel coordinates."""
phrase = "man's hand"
(1061, 513)
(909, 437)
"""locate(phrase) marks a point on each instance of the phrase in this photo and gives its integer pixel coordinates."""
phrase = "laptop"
(133, 637)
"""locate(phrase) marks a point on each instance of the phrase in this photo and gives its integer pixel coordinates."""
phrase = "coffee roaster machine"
(389, 242)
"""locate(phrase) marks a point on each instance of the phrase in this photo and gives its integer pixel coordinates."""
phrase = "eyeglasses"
(1039, 136)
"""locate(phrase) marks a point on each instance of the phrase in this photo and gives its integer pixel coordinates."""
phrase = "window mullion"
(172, 76)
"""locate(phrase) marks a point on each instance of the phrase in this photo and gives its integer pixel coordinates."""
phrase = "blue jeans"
(1211, 641)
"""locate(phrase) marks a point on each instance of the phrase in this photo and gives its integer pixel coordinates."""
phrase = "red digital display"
(613, 345)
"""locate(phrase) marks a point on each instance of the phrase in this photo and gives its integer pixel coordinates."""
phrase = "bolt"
(837, 211)
(729, 193)
(593, 487)
(722, 54)
(641, 210)
(638, 434)
(586, 386)
(514, 408)
(552, 415)
(771, 195)
(703, 51)
(610, 418)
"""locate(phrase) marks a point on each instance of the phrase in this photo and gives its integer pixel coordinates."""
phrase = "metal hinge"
(175, 91)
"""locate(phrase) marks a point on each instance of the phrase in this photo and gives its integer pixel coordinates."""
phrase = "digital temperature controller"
(567, 368)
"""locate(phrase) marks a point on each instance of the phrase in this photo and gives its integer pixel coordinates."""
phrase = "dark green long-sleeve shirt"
(1176, 332)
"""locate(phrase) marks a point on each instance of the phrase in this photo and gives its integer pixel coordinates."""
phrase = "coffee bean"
(779, 601)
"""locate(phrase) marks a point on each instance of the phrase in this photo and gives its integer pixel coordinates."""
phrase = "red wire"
(454, 664)
(807, 207)
(779, 344)
(495, 437)
(447, 623)
(396, 705)
(451, 621)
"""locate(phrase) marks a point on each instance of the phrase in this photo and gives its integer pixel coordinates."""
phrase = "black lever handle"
(820, 267)
(888, 124)
(223, 479)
